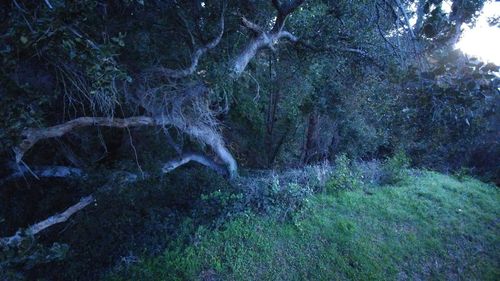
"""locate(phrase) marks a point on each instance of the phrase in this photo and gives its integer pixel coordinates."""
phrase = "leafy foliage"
(344, 176)
(395, 168)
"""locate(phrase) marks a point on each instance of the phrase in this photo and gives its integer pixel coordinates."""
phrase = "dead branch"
(190, 112)
(62, 217)
(52, 220)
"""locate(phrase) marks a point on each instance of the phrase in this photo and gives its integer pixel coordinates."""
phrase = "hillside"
(433, 227)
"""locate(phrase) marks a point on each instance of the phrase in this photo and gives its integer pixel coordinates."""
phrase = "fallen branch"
(40, 226)
(54, 171)
(62, 217)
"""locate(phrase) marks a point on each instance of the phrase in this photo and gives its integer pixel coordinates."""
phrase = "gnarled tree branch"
(213, 139)
(203, 133)
(264, 38)
(252, 26)
(32, 136)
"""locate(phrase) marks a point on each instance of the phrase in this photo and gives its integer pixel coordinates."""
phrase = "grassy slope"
(432, 228)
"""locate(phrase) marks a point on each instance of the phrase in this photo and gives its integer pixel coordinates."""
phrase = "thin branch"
(420, 17)
(382, 33)
(195, 58)
(61, 217)
(286, 9)
(406, 17)
(48, 4)
(287, 35)
(172, 142)
(283, 11)
(252, 26)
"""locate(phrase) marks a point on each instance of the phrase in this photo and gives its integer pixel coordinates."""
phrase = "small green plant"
(218, 204)
(395, 168)
(463, 173)
(344, 177)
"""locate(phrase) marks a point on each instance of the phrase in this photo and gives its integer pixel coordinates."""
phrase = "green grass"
(433, 227)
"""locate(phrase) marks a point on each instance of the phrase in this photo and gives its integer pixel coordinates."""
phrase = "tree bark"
(265, 39)
(32, 136)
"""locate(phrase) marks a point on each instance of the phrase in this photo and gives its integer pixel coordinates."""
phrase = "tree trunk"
(310, 141)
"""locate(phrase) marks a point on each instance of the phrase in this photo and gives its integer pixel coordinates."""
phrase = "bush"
(280, 196)
(370, 172)
(318, 175)
(344, 177)
(290, 200)
(395, 168)
(218, 206)
(17, 257)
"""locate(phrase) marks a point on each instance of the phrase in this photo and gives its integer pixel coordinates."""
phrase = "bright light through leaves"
(483, 41)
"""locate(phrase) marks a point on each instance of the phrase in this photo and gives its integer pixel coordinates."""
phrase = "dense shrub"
(218, 206)
(351, 93)
(395, 168)
(370, 172)
(279, 195)
(344, 176)
(26, 255)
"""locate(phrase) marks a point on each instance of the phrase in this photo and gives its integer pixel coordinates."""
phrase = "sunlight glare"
(483, 41)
